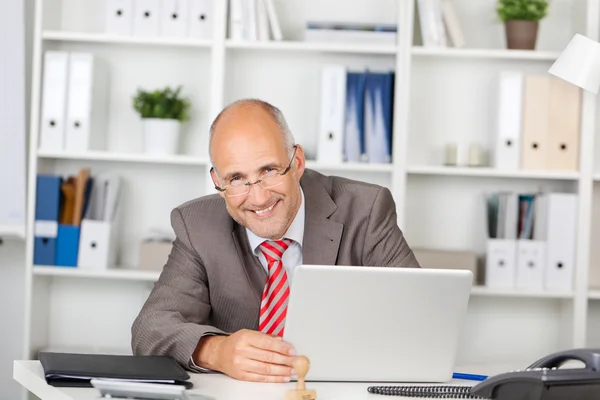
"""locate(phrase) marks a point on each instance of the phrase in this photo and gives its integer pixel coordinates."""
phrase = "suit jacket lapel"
(322, 236)
(250, 264)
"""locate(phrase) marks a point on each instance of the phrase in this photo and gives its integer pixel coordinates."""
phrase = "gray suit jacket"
(212, 283)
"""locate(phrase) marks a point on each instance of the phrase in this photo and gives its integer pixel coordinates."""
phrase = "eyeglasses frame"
(249, 184)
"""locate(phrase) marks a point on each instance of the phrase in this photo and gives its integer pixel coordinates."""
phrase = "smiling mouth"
(265, 212)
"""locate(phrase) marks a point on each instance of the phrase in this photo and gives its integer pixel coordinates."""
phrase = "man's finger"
(264, 341)
(263, 368)
(258, 354)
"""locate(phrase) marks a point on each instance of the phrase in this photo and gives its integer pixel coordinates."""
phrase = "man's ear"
(216, 182)
(300, 160)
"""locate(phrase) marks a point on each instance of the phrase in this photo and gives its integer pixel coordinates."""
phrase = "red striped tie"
(275, 295)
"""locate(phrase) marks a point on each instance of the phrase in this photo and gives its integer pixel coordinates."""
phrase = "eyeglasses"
(270, 178)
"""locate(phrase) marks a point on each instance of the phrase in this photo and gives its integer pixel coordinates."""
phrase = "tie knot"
(274, 249)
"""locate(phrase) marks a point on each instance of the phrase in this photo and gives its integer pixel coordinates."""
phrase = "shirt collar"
(295, 232)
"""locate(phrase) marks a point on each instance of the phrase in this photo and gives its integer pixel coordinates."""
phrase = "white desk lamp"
(579, 63)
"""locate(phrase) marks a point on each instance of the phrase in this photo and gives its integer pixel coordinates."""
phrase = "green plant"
(528, 10)
(166, 104)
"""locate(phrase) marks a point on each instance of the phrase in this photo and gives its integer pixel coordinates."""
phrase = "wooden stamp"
(301, 365)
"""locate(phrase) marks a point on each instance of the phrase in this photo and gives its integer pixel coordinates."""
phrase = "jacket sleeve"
(175, 316)
(385, 244)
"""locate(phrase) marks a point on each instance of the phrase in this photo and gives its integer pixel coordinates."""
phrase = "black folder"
(77, 370)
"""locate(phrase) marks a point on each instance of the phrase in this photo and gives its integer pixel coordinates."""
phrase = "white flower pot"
(161, 136)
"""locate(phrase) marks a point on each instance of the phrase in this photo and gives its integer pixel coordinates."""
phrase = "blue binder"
(47, 208)
(67, 245)
(354, 137)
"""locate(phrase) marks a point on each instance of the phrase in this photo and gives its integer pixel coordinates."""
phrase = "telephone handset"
(542, 380)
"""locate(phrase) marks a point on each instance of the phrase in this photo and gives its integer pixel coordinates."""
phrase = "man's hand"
(247, 355)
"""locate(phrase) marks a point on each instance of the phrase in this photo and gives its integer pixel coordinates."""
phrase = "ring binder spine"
(439, 392)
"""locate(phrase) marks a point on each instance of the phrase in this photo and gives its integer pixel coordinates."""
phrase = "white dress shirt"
(292, 257)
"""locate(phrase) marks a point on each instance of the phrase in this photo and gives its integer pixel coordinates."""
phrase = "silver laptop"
(376, 324)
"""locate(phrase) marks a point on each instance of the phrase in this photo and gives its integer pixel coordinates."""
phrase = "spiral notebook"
(439, 392)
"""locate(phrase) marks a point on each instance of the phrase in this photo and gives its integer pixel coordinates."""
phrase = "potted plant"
(521, 20)
(162, 112)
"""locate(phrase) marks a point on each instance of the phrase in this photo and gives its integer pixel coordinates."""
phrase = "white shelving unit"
(441, 95)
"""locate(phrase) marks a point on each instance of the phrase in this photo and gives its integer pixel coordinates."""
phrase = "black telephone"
(542, 380)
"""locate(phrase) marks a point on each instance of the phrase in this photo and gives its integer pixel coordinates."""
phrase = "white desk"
(219, 387)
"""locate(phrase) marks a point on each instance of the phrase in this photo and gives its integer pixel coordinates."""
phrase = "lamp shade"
(579, 63)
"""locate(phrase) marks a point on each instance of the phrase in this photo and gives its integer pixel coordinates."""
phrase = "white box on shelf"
(531, 265)
(97, 245)
(54, 100)
(562, 239)
(201, 19)
(507, 154)
(119, 17)
(500, 269)
(146, 18)
(174, 18)
(330, 148)
(87, 109)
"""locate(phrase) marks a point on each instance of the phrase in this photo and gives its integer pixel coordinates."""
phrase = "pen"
(471, 377)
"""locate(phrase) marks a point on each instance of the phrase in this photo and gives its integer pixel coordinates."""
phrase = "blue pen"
(471, 377)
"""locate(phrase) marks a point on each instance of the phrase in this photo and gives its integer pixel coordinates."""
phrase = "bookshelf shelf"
(101, 38)
(597, 177)
(483, 291)
(115, 273)
(356, 167)
(125, 157)
(301, 46)
(524, 55)
(491, 172)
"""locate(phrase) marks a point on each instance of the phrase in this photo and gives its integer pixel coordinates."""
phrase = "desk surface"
(30, 375)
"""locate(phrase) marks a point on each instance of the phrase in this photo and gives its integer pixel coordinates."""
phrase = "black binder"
(77, 370)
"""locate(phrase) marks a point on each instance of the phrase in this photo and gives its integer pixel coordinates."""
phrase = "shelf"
(60, 36)
(301, 46)
(491, 172)
(115, 273)
(124, 157)
(356, 167)
(597, 177)
(525, 55)
(501, 292)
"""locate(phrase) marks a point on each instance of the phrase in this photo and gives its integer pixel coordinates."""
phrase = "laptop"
(377, 324)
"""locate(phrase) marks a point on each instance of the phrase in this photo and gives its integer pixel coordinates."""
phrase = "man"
(220, 301)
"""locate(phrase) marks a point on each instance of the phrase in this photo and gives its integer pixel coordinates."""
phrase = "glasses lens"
(237, 190)
(271, 180)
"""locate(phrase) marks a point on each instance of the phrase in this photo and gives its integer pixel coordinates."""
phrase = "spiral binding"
(439, 392)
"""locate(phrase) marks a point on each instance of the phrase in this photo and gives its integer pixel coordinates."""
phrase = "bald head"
(231, 121)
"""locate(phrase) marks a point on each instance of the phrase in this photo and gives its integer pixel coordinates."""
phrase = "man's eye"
(236, 179)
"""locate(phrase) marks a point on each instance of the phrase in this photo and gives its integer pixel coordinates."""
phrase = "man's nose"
(258, 195)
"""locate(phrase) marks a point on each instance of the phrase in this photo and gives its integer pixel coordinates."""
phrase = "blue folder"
(47, 208)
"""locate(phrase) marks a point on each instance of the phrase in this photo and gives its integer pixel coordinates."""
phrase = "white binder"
(236, 19)
(201, 17)
(119, 17)
(330, 147)
(174, 18)
(508, 138)
(500, 270)
(531, 258)
(54, 95)
(97, 245)
(561, 241)
(87, 109)
(146, 18)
